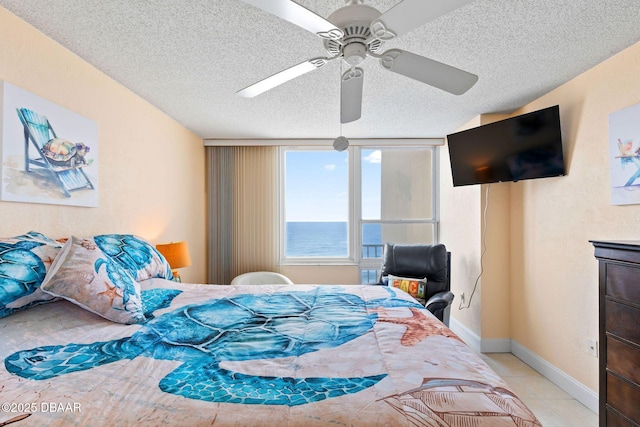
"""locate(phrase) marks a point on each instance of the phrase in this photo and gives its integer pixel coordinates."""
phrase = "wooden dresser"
(619, 278)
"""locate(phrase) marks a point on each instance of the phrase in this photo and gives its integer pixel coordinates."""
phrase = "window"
(398, 187)
(316, 204)
(342, 206)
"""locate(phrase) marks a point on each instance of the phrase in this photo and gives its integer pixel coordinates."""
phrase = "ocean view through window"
(339, 208)
(316, 204)
(329, 239)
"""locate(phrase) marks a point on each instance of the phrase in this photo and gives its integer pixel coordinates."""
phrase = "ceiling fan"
(356, 31)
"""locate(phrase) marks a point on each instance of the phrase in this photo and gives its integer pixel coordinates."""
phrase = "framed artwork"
(49, 154)
(624, 155)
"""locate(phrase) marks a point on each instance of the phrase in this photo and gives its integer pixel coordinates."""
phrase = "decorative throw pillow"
(417, 288)
(24, 262)
(139, 257)
(84, 275)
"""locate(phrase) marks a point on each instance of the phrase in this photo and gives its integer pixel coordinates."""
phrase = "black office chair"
(418, 262)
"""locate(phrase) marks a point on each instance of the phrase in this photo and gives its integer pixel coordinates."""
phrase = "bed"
(233, 355)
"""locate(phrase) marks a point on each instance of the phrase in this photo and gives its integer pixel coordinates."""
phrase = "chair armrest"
(444, 296)
(439, 303)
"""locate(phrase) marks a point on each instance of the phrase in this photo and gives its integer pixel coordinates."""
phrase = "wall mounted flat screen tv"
(523, 147)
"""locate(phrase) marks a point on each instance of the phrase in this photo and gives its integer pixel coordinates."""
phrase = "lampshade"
(176, 253)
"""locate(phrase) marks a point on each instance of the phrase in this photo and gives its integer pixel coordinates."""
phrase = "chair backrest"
(38, 126)
(418, 261)
(261, 278)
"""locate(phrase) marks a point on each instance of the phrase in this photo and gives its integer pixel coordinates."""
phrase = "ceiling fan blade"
(282, 77)
(425, 70)
(410, 14)
(351, 95)
(300, 16)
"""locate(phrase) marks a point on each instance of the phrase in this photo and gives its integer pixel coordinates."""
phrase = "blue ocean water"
(329, 239)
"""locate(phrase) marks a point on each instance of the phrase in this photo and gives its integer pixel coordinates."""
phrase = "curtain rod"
(210, 142)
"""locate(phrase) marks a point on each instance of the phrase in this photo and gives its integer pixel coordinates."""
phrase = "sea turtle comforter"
(269, 355)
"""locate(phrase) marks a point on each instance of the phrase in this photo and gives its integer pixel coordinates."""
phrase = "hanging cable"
(484, 248)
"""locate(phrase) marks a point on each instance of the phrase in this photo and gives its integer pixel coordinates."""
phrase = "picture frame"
(48, 153)
(624, 155)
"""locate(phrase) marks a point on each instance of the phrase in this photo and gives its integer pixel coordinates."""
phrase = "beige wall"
(151, 168)
(319, 274)
(491, 318)
(553, 220)
(460, 231)
(553, 287)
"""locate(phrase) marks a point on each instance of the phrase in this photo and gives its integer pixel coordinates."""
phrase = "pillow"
(139, 257)
(24, 262)
(417, 288)
(84, 275)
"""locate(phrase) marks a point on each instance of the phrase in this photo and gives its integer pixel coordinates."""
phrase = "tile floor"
(552, 405)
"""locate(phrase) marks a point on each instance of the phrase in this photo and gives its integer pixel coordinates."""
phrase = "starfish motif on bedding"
(419, 326)
(89, 245)
(111, 292)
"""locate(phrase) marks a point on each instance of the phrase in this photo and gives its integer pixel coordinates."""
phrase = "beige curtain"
(242, 211)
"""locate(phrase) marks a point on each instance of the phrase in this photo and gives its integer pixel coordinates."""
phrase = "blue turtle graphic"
(130, 252)
(238, 328)
(118, 276)
(21, 270)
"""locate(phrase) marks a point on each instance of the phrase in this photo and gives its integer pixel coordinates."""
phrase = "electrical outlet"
(592, 347)
(462, 298)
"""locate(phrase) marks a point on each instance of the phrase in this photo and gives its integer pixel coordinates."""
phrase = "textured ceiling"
(189, 57)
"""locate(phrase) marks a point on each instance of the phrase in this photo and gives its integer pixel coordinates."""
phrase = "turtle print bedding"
(24, 263)
(249, 355)
(27, 261)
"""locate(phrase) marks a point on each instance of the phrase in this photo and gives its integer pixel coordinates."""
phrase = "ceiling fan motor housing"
(355, 21)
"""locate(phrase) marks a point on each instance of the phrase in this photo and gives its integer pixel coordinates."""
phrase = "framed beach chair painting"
(624, 155)
(49, 154)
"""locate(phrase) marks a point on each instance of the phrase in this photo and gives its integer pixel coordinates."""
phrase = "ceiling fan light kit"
(356, 31)
(354, 53)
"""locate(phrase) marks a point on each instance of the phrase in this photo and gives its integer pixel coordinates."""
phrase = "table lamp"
(177, 255)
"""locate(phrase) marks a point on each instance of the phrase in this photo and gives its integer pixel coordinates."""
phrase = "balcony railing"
(368, 277)
(368, 252)
(371, 251)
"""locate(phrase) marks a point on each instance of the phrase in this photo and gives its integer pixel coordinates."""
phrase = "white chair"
(261, 278)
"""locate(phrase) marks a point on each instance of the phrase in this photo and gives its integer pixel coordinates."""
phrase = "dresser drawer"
(623, 282)
(622, 320)
(623, 397)
(615, 420)
(623, 360)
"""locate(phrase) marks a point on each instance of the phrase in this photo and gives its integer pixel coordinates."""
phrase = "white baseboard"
(465, 334)
(495, 345)
(574, 388)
